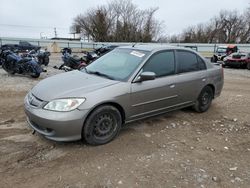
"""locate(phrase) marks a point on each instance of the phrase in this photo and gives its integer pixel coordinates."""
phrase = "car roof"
(152, 48)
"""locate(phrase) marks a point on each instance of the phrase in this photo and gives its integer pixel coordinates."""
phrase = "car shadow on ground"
(136, 127)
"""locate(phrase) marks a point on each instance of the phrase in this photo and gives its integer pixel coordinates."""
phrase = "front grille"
(34, 101)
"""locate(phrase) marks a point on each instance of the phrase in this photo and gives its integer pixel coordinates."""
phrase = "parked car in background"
(124, 85)
(238, 59)
(223, 51)
(21, 47)
(105, 49)
(195, 48)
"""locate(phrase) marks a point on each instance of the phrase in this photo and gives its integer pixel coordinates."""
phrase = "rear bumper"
(234, 63)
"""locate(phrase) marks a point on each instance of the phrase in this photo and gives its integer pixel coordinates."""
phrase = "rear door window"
(187, 61)
(201, 63)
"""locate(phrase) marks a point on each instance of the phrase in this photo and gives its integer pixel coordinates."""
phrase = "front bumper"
(220, 57)
(58, 126)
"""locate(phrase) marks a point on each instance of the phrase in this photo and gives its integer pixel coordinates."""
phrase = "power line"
(29, 26)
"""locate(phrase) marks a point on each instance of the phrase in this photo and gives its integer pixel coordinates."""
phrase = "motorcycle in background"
(66, 50)
(105, 49)
(72, 62)
(1, 58)
(41, 56)
(12, 63)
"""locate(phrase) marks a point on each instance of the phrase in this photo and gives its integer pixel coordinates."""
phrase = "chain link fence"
(78, 46)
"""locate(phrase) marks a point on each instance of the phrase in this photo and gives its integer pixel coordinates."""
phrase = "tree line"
(119, 20)
(227, 27)
(123, 21)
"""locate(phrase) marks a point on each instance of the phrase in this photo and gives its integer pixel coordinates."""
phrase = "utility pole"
(55, 32)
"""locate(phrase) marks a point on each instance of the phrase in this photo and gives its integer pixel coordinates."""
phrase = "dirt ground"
(178, 149)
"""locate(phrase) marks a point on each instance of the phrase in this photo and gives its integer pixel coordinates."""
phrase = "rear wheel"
(9, 67)
(102, 126)
(82, 65)
(46, 60)
(204, 100)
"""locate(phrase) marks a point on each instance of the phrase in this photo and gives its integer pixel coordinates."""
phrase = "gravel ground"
(178, 149)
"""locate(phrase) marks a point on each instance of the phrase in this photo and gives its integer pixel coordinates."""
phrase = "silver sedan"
(125, 85)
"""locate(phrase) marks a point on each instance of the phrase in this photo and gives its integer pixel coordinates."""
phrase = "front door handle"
(172, 86)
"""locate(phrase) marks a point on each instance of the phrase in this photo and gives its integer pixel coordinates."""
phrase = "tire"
(82, 65)
(248, 66)
(7, 69)
(35, 75)
(102, 125)
(46, 61)
(224, 65)
(214, 59)
(204, 100)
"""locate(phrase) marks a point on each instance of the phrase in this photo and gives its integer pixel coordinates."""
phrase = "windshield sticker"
(136, 53)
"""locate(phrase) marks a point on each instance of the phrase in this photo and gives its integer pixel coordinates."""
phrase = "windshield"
(221, 50)
(118, 64)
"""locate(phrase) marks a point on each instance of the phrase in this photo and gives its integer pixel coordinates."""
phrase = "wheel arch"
(114, 104)
(212, 87)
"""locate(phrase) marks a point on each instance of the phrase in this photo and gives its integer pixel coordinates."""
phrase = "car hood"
(70, 84)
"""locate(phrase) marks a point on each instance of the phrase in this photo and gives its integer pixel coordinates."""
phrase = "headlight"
(64, 105)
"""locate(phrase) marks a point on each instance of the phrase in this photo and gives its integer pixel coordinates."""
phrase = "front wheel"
(102, 126)
(204, 100)
(35, 75)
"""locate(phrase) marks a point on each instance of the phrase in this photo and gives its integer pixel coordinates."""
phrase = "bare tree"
(227, 27)
(120, 20)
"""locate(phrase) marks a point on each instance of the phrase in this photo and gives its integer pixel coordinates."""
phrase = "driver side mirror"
(144, 76)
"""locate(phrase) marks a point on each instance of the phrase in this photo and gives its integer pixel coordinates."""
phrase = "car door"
(154, 96)
(192, 75)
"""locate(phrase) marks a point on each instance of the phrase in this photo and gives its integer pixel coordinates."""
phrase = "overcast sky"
(36, 18)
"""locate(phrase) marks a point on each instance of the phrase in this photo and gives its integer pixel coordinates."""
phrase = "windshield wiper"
(100, 74)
